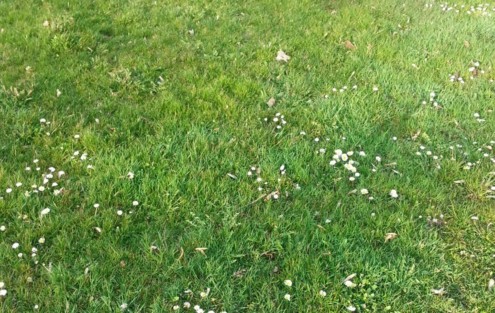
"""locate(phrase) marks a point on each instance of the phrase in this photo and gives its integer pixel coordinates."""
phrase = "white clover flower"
(351, 308)
(333, 162)
(3, 228)
(378, 159)
(288, 282)
(18, 184)
(123, 306)
(77, 136)
(186, 305)
(45, 211)
(15, 245)
(2, 285)
(349, 284)
(362, 153)
(3, 292)
(176, 308)
(42, 120)
(393, 193)
(120, 212)
(130, 175)
(287, 297)
(375, 88)
(344, 157)
(8, 190)
(41, 240)
(135, 203)
(322, 293)
(364, 191)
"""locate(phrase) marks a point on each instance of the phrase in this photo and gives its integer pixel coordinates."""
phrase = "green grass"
(176, 91)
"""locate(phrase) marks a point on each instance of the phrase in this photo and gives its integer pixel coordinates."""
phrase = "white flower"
(288, 282)
(18, 184)
(364, 191)
(349, 284)
(96, 205)
(15, 245)
(186, 305)
(8, 190)
(120, 212)
(3, 228)
(41, 240)
(59, 93)
(393, 193)
(351, 308)
(333, 162)
(2, 284)
(42, 120)
(3, 292)
(322, 293)
(123, 306)
(375, 88)
(130, 175)
(176, 308)
(281, 56)
(378, 159)
(491, 283)
(77, 136)
(135, 203)
(287, 297)
(45, 211)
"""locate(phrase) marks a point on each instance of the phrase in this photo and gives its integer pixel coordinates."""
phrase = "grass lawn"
(247, 156)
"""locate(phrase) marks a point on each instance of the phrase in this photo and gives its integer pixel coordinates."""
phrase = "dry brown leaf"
(438, 292)
(201, 250)
(349, 45)
(350, 277)
(390, 236)
(416, 135)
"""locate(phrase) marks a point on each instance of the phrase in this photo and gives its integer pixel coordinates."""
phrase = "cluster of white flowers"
(483, 9)
(343, 89)
(278, 120)
(197, 308)
(433, 101)
(349, 164)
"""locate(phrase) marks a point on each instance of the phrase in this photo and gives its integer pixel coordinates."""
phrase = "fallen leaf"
(282, 56)
(239, 273)
(201, 250)
(349, 45)
(271, 102)
(350, 277)
(390, 236)
(438, 292)
(416, 135)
